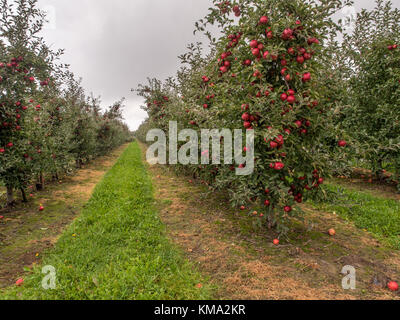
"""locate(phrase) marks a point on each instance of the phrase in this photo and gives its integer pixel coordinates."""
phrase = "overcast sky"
(115, 45)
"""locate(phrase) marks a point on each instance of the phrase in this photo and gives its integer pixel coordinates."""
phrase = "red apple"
(253, 44)
(393, 286)
(279, 166)
(291, 99)
(263, 20)
(300, 59)
(287, 209)
(306, 77)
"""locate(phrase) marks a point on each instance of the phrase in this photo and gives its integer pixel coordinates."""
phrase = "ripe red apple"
(267, 203)
(247, 125)
(19, 282)
(342, 143)
(307, 56)
(291, 99)
(246, 117)
(291, 51)
(276, 242)
(300, 59)
(332, 232)
(253, 44)
(256, 52)
(41, 208)
(306, 77)
(279, 166)
(263, 20)
(247, 62)
(287, 34)
(273, 144)
(298, 123)
(393, 286)
(287, 209)
(242, 208)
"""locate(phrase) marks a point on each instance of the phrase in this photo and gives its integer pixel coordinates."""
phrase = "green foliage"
(46, 121)
(263, 76)
(371, 71)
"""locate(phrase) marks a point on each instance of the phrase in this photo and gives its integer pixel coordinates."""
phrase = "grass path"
(371, 210)
(116, 248)
(25, 233)
(241, 261)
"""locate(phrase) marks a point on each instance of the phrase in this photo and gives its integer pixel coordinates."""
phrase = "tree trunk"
(40, 183)
(79, 163)
(380, 174)
(24, 199)
(10, 196)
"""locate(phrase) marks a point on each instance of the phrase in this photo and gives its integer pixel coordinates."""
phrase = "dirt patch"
(25, 233)
(240, 259)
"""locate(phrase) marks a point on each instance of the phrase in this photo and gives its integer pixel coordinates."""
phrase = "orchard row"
(277, 70)
(47, 124)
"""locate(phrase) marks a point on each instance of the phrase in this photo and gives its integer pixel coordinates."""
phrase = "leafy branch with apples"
(47, 124)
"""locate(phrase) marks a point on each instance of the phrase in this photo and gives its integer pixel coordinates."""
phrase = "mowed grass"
(117, 248)
(378, 215)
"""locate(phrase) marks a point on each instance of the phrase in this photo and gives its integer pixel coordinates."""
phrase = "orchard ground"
(25, 233)
(190, 244)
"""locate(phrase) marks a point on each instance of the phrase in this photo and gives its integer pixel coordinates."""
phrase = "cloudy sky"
(115, 45)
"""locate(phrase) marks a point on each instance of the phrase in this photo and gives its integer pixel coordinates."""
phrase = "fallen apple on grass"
(393, 286)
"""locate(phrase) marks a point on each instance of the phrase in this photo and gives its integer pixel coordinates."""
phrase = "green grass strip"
(378, 215)
(117, 249)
